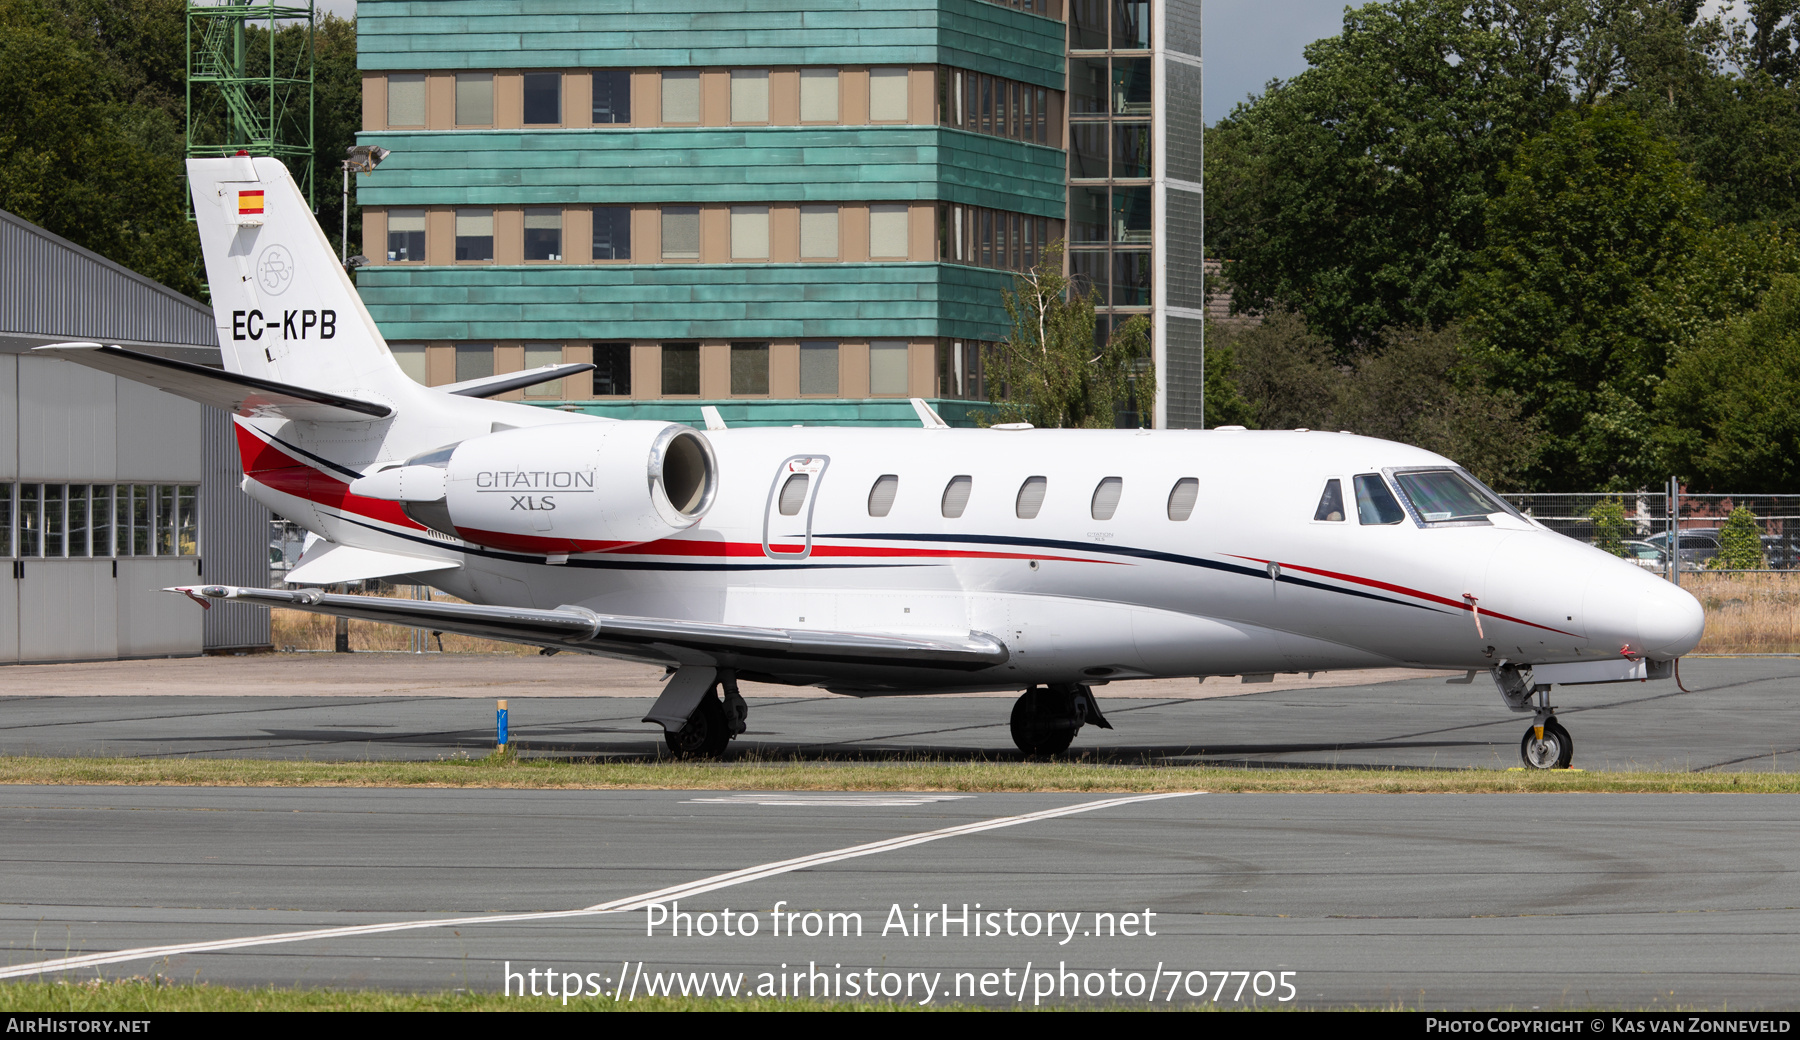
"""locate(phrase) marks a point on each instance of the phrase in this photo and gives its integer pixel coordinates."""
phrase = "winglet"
(714, 421)
(928, 418)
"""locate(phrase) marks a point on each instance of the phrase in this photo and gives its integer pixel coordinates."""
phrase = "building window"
(887, 95)
(681, 233)
(749, 232)
(537, 355)
(818, 95)
(887, 231)
(474, 99)
(1087, 151)
(474, 361)
(406, 236)
(819, 368)
(750, 95)
(611, 96)
(995, 238)
(960, 369)
(1088, 90)
(1087, 24)
(1131, 151)
(681, 96)
(543, 98)
(1088, 274)
(887, 368)
(818, 232)
(612, 370)
(750, 368)
(1131, 279)
(475, 234)
(543, 234)
(1131, 86)
(1131, 25)
(1089, 219)
(411, 359)
(406, 99)
(985, 104)
(1131, 215)
(681, 369)
(612, 232)
(88, 520)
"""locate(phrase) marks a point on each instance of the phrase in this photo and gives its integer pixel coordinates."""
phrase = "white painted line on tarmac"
(637, 902)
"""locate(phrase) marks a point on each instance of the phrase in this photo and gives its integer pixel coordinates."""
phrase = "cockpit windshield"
(1445, 495)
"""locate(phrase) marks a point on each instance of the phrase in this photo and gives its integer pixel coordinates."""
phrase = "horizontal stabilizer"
(678, 642)
(329, 564)
(239, 394)
(494, 386)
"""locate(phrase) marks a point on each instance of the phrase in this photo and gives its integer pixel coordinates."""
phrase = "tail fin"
(285, 308)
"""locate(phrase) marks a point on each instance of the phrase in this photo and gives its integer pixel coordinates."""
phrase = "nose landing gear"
(1546, 745)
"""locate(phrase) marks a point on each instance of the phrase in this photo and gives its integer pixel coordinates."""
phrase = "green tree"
(1589, 282)
(1740, 543)
(1728, 415)
(1049, 372)
(1610, 527)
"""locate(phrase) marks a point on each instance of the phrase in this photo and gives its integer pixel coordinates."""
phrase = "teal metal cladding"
(412, 35)
(725, 165)
(686, 301)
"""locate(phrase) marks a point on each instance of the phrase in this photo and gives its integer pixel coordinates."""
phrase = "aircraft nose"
(1642, 611)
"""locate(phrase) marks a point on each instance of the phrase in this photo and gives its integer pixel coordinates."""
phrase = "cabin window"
(1440, 495)
(1375, 504)
(1331, 503)
(1106, 498)
(881, 496)
(956, 496)
(793, 494)
(1182, 498)
(1031, 497)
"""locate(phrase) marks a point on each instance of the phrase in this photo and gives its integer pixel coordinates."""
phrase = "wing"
(244, 395)
(661, 639)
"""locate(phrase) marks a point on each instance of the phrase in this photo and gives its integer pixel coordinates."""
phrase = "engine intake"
(564, 488)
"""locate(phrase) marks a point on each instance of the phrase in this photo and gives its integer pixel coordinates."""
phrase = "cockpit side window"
(1331, 503)
(1375, 504)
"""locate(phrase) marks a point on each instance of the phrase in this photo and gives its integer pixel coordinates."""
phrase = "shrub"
(1740, 543)
(1608, 516)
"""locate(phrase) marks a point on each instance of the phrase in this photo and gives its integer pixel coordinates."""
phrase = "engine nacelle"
(565, 488)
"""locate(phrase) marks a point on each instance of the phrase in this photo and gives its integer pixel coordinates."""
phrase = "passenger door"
(787, 519)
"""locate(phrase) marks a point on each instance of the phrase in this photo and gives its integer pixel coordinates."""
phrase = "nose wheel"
(1547, 745)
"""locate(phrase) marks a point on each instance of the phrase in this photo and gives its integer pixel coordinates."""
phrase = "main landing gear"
(1045, 719)
(703, 729)
(1546, 744)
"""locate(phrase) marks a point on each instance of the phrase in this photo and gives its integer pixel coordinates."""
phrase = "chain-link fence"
(1668, 525)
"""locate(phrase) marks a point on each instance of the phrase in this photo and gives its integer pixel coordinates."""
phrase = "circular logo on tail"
(275, 270)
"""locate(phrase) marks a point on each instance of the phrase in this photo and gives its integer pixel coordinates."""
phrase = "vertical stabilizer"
(284, 306)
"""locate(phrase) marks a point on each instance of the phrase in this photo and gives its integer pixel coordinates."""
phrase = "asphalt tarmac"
(1488, 901)
(1429, 901)
(1743, 714)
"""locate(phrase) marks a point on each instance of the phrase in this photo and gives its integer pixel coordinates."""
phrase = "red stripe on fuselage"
(1404, 591)
(269, 465)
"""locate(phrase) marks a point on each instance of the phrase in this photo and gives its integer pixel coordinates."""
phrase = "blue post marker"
(500, 728)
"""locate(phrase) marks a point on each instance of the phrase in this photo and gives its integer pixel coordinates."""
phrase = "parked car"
(1696, 546)
(1781, 551)
(1650, 557)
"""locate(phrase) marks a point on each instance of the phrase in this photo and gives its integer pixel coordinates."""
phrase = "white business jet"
(872, 562)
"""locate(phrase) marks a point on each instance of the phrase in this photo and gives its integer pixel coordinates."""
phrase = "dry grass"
(1748, 613)
(749, 774)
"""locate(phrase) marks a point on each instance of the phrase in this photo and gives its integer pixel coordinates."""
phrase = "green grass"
(142, 994)
(896, 775)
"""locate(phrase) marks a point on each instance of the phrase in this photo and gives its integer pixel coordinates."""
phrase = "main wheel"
(1039, 727)
(706, 733)
(1555, 751)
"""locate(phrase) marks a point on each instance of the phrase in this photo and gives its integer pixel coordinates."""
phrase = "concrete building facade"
(111, 491)
(795, 210)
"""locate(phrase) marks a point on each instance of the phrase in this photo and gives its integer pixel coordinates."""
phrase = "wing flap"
(332, 564)
(240, 394)
(663, 638)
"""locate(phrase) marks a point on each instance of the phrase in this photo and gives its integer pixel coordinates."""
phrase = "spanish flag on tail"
(250, 203)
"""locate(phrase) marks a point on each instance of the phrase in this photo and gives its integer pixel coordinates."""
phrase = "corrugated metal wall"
(234, 540)
(50, 287)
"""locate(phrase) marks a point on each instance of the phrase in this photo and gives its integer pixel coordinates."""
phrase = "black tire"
(1567, 757)
(705, 734)
(1038, 727)
(1555, 751)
